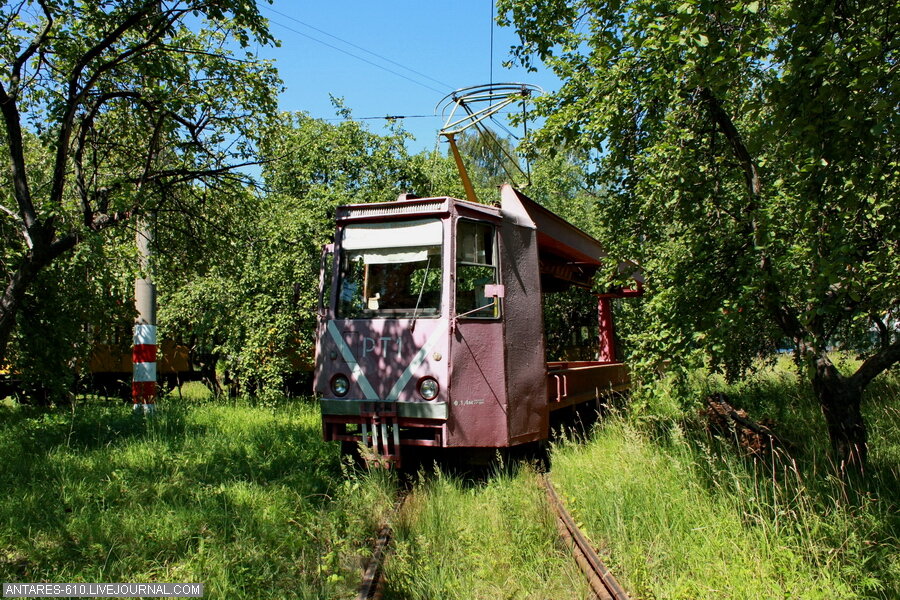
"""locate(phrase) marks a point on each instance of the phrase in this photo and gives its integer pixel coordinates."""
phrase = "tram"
(431, 332)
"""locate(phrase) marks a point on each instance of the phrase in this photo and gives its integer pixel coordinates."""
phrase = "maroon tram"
(431, 331)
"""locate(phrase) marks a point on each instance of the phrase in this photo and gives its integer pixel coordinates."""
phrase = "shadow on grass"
(235, 496)
(854, 522)
(477, 466)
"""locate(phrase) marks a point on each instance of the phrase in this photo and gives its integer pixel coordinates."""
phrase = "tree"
(51, 348)
(251, 299)
(750, 156)
(112, 109)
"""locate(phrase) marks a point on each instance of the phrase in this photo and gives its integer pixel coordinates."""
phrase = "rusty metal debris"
(372, 583)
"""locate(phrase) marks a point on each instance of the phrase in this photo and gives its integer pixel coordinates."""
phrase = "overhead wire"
(358, 47)
(493, 139)
(374, 64)
(385, 117)
(525, 135)
(399, 117)
(504, 127)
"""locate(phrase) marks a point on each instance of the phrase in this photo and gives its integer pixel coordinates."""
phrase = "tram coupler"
(380, 434)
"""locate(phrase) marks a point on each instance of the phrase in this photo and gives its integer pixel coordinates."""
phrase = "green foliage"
(480, 541)
(110, 110)
(570, 324)
(328, 164)
(560, 182)
(685, 515)
(807, 87)
(244, 285)
(490, 162)
(747, 152)
(669, 536)
(251, 306)
(51, 349)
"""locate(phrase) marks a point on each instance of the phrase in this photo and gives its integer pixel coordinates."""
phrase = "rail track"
(602, 582)
(372, 586)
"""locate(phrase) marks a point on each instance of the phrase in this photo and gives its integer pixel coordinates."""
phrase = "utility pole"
(143, 386)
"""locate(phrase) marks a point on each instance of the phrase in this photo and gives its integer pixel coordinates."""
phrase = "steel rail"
(372, 586)
(372, 582)
(601, 580)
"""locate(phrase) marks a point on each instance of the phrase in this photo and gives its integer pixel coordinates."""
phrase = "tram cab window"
(391, 270)
(476, 267)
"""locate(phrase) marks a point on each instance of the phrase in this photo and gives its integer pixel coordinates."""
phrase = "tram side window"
(476, 267)
(570, 325)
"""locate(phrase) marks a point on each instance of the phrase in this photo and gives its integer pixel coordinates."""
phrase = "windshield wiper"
(412, 325)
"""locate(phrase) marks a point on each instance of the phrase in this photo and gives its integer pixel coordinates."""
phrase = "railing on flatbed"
(574, 382)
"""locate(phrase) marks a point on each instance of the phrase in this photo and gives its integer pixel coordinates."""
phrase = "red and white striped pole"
(143, 385)
(143, 355)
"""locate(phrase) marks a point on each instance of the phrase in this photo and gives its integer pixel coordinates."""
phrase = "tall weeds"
(480, 540)
(688, 515)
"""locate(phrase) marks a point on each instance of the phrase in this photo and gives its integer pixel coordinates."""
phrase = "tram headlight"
(428, 388)
(340, 385)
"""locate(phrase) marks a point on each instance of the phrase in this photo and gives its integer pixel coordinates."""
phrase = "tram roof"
(558, 240)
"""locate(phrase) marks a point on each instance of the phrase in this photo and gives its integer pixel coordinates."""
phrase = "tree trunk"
(841, 402)
(12, 299)
(46, 249)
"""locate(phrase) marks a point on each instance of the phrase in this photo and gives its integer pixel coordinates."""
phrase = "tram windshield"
(391, 270)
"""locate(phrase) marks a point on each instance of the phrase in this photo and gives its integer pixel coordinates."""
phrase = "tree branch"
(182, 175)
(105, 221)
(876, 364)
(29, 243)
(76, 93)
(748, 165)
(154, 36)
(11, 213)
(884, 334)
(34, 46)
(78, 163)
(11, 16)
(153, 149)
(87, 122)
(19, 175)
(783, 316)
(108, 40)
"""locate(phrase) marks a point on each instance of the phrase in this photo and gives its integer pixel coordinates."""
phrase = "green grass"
(684, 515)
(246, 500)
(489, 540)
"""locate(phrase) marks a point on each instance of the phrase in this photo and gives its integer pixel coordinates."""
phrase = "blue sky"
(431, 47)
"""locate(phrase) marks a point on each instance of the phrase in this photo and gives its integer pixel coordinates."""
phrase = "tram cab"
(430, 327)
